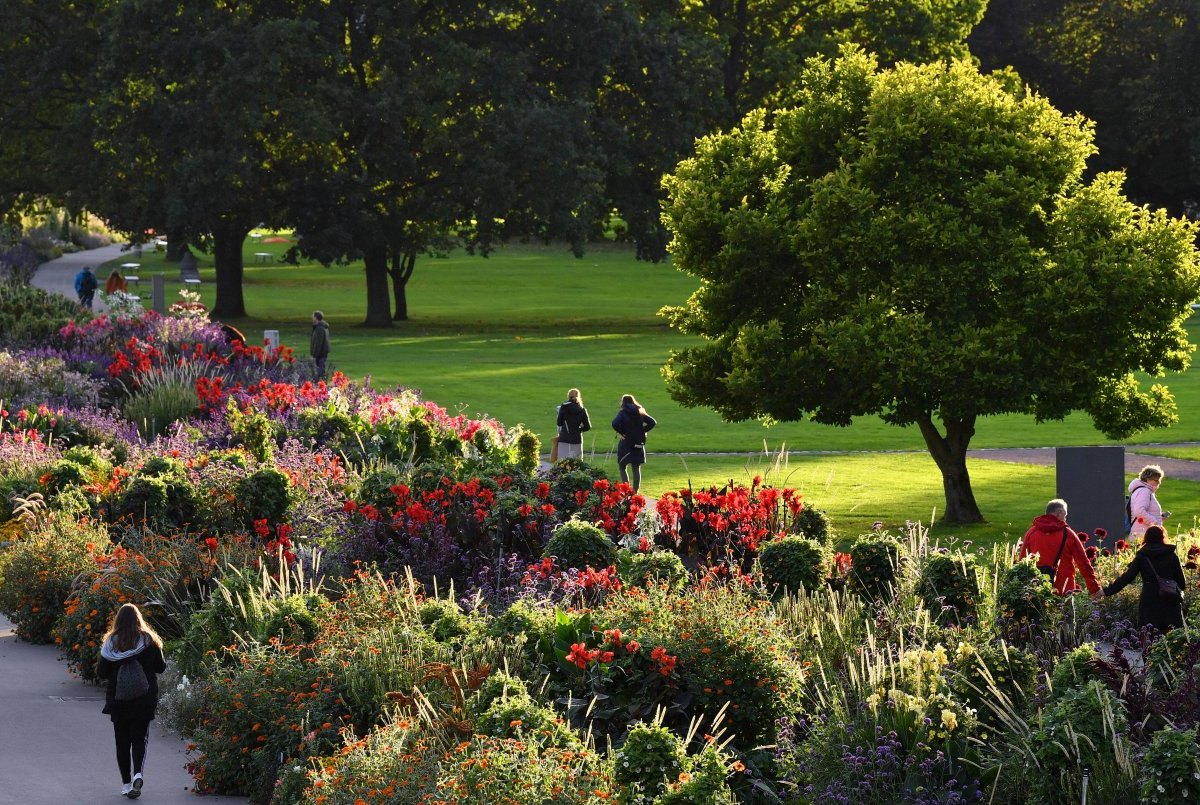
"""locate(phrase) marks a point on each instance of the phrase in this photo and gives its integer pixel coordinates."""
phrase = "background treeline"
(380, 130)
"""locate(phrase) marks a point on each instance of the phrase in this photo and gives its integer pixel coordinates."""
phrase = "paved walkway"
(1134, 461)
(58, 276)
(56, 747)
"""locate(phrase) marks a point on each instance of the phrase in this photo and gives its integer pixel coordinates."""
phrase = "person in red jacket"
(1059, 551)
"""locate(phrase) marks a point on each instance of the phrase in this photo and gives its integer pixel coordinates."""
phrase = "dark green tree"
(199, 123)
(458, 123)
(919, 243)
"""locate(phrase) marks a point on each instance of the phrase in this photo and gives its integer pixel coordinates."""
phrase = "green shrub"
(155, 408)
(949, 587)
(815, 524)
(38, 569)
(875, 565)
(1170, 768)
(518, 716)
(639, 569)
(1076, 668)
(982, 672)
(162, 467)
(1025, 603)
(569, 479)
(160, 494)
(375, 489)
(581, 545)
(63, 474)
(1082, 728)
(258, 434)
(651, 757)
(497, 686)
(266, 495)
(705, 783)
(444, 620)
(30, 315)
(18, 485)
(528, 450)
(794, 564)
(292, 620)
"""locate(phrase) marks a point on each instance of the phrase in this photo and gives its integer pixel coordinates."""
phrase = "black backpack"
(131, 681)
(1052, 570)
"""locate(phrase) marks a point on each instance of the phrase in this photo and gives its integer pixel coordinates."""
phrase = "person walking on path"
(85, 286)
(319, 344)
(1144, 508)
(632, 423)
(1156, 562)
(115, 283)
(1058, 550)
(573, 422)
(131, 659)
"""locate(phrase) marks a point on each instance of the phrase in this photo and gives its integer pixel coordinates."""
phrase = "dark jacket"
(573, 421)
(143, 707)
(633, 427)
(1153, 609)
(86, 282)
(319, 346)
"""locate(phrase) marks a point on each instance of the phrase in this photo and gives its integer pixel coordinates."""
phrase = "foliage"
(266, 495)
(1084, 727)
(1076, 669)
(1025, 602)
(444, 620)
(1169, 771)
(39, 569)
(918, 171)
(29, 378)
(651, 757)
(641, 569)
(32, 316)
(992, 679)
(795, 564)
(579, 545)
(875, 566)
(815, 524)
(949, 587)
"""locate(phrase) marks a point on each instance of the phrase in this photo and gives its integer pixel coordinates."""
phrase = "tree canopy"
(908, 242)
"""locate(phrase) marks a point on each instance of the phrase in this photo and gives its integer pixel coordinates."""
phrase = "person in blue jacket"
(85, 286)
(131, 640)
(632, 423)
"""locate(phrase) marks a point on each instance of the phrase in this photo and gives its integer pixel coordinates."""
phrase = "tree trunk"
(733, 69)
(401, 271)
(379, 308)
(228, 237)
(177, 245)
(950, 454)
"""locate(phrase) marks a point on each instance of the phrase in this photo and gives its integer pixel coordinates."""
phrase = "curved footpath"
(56, 747)
(58, 276)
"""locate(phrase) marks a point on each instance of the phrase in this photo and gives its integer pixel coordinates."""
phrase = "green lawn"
(509, 334)
(1186, 453)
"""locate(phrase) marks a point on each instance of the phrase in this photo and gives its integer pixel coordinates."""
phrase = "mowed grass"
(507, 335)
(1185, 453)
(859, 489)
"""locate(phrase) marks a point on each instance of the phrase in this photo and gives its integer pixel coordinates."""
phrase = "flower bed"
(369, 599)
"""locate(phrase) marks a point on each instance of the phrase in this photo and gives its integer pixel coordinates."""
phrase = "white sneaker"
(126, 788)
(137, 786)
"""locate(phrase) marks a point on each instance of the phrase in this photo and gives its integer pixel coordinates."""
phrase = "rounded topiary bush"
(949, 587)
(793, 564)
(497, 686)
(1076, 668)
(875, 565)
(160, 494)
(815, 524)
(443, 619)
(581, 545)
(64, 474)
(1025, 602)
(266, 495)
(375, 489)
(651, 757)
(638, 569)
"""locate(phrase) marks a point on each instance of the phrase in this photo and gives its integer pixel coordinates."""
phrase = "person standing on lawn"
(633, 423)
(131, 659)
(1058, 550)
(319, 344)
(573, 422)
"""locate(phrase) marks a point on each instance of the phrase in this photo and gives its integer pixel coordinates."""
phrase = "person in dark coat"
(573, 422)
(131, 640)
(85, 286)
(319, 344)
(1155, 560)
(633, 423)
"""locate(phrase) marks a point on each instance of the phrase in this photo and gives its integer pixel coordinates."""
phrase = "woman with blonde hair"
(131, 659)
(1144, 508)
(573, 422)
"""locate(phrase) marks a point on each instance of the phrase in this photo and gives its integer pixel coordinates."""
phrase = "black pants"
(132, 737)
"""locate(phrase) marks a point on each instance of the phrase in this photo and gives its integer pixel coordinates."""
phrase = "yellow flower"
(949, 719)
